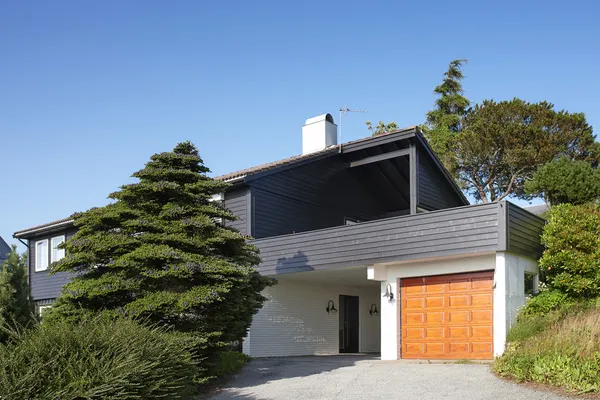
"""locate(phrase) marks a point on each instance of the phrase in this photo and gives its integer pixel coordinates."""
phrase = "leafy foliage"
(15, 304)
(160, 253)
(503, 143)
(565, 181)
(97, 358)
(544, 303)
(382, 127)
(571, 259)
(444, 122)
(229, 362)
(565, 352)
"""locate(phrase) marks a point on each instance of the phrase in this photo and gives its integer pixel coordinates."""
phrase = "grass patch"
(559, 349)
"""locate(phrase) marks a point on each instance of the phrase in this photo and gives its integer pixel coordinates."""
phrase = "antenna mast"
(344, 111)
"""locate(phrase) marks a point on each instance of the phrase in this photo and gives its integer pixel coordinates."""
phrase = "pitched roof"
(43, 226)
(248, 171)
(302, 157)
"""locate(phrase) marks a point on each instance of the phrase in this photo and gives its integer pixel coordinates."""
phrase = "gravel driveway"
(366, 378)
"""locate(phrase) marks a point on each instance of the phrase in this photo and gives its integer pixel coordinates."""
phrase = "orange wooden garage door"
(448, 316)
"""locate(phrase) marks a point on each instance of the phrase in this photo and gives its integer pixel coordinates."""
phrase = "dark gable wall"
(237, 201)
(434, 192)
(45, 285)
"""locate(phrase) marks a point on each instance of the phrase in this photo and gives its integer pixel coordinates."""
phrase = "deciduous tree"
(503, 143)
(565, 181)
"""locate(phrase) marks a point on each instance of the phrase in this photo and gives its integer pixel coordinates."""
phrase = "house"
(4, 250)
(374, 247)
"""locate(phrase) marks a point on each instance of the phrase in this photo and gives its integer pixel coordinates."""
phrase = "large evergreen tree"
(161, 253)
(15, 303)
(444, 122)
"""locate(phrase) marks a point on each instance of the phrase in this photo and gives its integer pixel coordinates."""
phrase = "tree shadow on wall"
(296, 263)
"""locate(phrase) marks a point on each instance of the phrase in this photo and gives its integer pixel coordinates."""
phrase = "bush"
(229, 362)
(571, 261)
(566, 353)
(544, 303)
(98, 358)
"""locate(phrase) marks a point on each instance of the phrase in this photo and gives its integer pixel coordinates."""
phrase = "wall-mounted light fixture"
(331, 307)
(388, 292)
(373, 310)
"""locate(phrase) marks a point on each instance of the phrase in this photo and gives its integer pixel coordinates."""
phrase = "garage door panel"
(484, 299)
(481, 315)
(458, 300)
(479, 332)
(414, 318)
(435, 348)
(435, 333)
(459, 316)
(435, 317)
(455, 318)
(482, 348)
(415, 303)
(435, 301)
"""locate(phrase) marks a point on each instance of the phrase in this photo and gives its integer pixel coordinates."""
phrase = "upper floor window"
(41, 255)
(44, 254)
(57, 254)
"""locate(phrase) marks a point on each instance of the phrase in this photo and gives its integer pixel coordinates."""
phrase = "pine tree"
(161, 253)
(444, 121)
(15, 303)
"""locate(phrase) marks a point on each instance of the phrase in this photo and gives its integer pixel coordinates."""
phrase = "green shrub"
(566, 353)
(571, 260)
(229, 362)
(544, 303)
(99, 358)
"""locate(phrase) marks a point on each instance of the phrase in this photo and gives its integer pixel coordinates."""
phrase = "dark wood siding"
(236, 200)
(44, 285)
(310, 197)
(524, 231)
(464, 230)
(434, 192)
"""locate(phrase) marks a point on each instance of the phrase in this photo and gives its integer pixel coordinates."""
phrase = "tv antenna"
(344, 111)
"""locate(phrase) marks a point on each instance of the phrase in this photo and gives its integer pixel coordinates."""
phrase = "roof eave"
(24, 234)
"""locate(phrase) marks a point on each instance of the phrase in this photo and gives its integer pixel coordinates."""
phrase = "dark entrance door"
(348, 324)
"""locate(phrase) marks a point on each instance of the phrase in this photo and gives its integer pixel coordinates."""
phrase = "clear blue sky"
(89, 90)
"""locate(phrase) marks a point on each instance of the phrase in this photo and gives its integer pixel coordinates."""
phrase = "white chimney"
(318, 133)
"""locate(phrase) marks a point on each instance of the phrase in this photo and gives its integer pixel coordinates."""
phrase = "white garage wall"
(509, 295)
(294, 322)
(390, 310)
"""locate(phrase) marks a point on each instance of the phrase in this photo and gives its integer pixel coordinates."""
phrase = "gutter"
(21, 234)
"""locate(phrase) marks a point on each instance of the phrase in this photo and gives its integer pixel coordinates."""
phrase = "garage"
(447, 316)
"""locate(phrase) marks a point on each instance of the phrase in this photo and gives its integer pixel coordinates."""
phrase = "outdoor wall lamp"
(373, 310)
(388, 292)
(331, 307)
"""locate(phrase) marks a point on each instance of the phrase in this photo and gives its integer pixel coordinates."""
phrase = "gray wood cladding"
(236, 201)
(45, 285)
(456, 231)
(524, 231)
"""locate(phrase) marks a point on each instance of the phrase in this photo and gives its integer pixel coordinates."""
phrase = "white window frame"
(53, 249)
(41, 309)
(38, 267)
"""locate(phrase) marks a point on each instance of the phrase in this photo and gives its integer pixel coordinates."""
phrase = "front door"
(348, 324)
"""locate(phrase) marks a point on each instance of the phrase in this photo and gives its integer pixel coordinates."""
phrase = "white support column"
(389, 323)
(500, 299)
